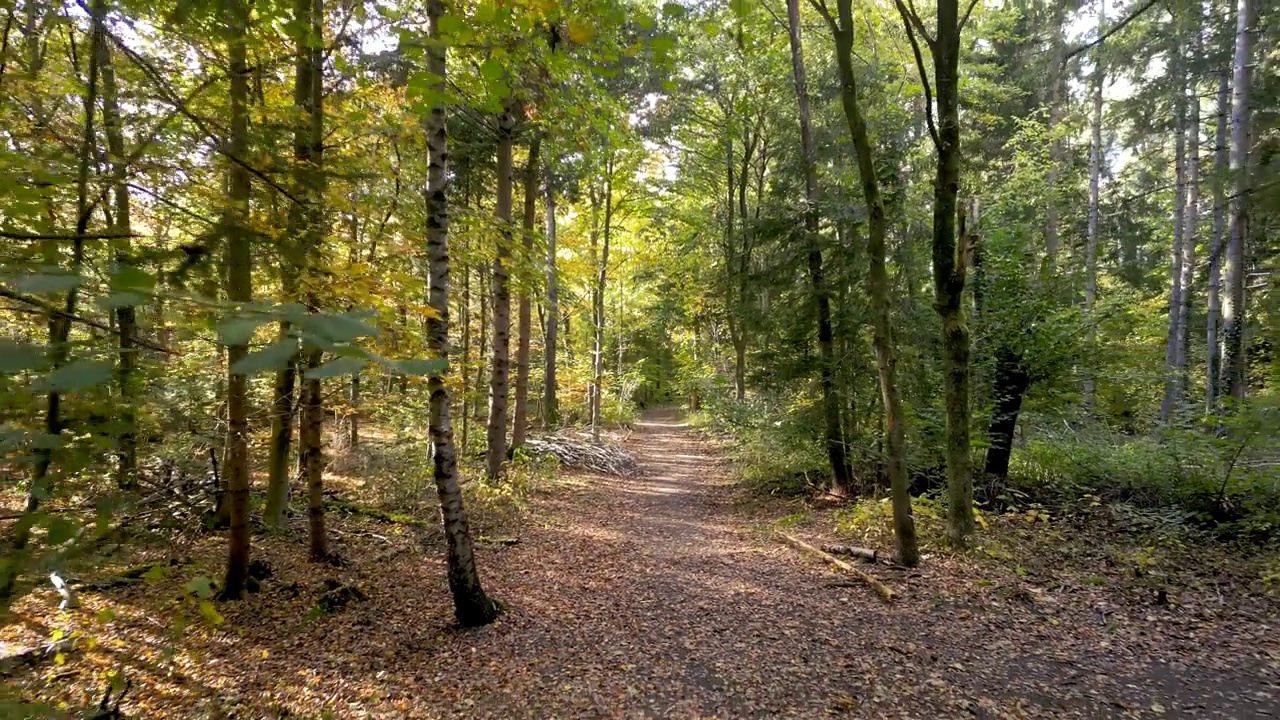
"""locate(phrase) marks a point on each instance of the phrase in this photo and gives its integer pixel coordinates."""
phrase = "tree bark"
(1088, 384)
(1173, 342)
(1190, 227)
(239, 263)
(471, 605)
(126, 315)
(550, 408)
(841, 476)
(598, 318)
(499, 372)
(1052, 229)
(877, 286)
(1213, 311)
(1235, 380)
(520, 413)
(1010, 385)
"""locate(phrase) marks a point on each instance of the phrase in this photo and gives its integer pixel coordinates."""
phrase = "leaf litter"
(653, 596)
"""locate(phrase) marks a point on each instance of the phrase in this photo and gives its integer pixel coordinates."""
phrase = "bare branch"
(924, 76)
(914, 18)
(50, 309)
(1112, 31)
(968, 11)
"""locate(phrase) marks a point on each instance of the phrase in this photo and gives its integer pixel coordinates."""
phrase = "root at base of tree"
(883, 590)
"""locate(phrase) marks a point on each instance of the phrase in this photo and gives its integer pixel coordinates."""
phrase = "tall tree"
(1088, 381)
(1190, 224)
(1213, 309)
(1175, 335)
(1233, 309)
(239, 263)
(878, 276)
(836, 453)
(949, 257)
(500, 365)
(520, 410)
(471, 605)
(550, 406)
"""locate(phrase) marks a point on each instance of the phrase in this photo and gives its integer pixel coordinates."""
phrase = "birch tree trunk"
(550, 409)
(1190, 225)
(1052, 229)
(499, 372)
(840, 472)
(471, 605)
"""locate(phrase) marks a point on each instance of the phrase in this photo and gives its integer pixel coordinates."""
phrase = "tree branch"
(914, 18)
(52, 310)
(1112, 31)
(924, 76)
(968, 11)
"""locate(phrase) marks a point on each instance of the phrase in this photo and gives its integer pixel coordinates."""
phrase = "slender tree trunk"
(520, 412)
(1213, 311)
(598, 318)
(949, 260)
(499, 373)
(282, 415)
(1173, 344)
(126, 318)
(1010, 384)
(1052, 229)
(878, 276)
(471, 605)
(1088, 384)
(465, 365)
(482, 278)
(550, 408)
(1235, 380)
(239, 264)
(310, 175)
(1189, 231)
(836, 454)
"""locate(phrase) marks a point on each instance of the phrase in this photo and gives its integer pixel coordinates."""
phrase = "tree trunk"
(1189, 231)
(1234, 378)
(499, 372)
(471, 605)
(598, 319)
(126, 315)
(1010, 386)
(550, 409)
(1173, 343)
(1052, 229)
(311, 181)
(949, 260)
(477, 394)
(1088, 384)
(877, 278)
(282, 416)
(239, 263)
(520, 413)
(840, 472)
(1213, 311)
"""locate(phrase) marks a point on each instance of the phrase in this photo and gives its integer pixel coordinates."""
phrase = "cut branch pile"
(571, 452)
(883, 590)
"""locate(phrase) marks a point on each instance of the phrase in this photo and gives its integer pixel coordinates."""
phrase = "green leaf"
(239, 331)
(334, 368)
(674, 10)
(273, 357)
(155, 574)
(19, 357)
(201, 587)
(210, 613)
(79, 375)
(47, 283)
(452, 26)
(662, 44)
(492, 71)
(127, 277)
(60, 530)
(340, 328)
(123, 298)
(434, 366)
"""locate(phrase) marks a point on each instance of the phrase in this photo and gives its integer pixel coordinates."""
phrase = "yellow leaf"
(266, 654)
(579, 32)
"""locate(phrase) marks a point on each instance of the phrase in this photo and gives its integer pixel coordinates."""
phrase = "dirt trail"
(654, 597)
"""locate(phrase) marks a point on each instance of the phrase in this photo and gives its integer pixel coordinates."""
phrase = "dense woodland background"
(988, 255)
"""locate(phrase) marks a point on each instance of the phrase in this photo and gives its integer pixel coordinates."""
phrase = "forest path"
(658, 597)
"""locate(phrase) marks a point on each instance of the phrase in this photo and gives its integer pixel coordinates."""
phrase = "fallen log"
(867, 554)
(883, 590)
(379, 514)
